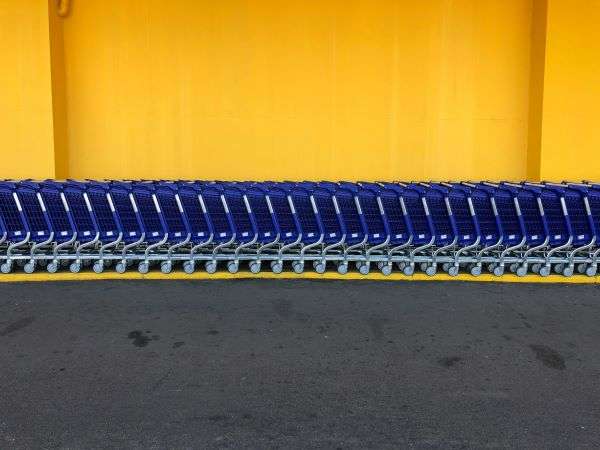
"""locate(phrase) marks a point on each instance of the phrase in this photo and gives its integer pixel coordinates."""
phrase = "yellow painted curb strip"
(133, 275)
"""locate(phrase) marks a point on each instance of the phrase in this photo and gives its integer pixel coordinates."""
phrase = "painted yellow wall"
(571, 117)
(298, 88)
(26, 128)
(301, 89)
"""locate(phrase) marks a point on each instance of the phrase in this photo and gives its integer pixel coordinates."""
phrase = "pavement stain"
(549, 357)
(140, 339)
(450, 361)
(16, 326)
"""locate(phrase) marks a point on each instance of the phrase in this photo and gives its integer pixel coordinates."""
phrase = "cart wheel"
(568, 272)
(386, 269)
(499, 271)
(476, 270)
(277, 266)
(431, 270)
(401, 265)
(233, 266)
(121, 267)
(320, 267)
(559, 268)
(298, 266)
(211, 266)
(409, 270)
(52, 267)
(545, 271)
(254, 266)
(189, 267)
(453, 271)
(6, 267)
(98, 267)
(513, 267)
(75, 267)
(166, 267)
(143, 267)
(364, 269)
(591, 271)
(581, 268)
(491, 267)
(29, 267)
(522, 271)
(446, 267)
(536, 268)
(342, 268)
(380, 264)
(424, 267)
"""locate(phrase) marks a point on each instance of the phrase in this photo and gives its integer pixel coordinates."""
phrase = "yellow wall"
(389, 89)
(301, 89)
(571, 120)
(26, 128)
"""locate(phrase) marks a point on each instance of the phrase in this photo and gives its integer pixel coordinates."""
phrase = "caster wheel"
(401, 265)
(75, 267)
(342, 268)
(386, 270)
(380, 264)
(6, 268)
(52, 267)
(298, 267)
(98, 267)
(431, 271)
(254, 266)
(143, 267)
(424, 267)
(121, 267)
(491, 268)
(364, 269)
(446, 267)
(591, 271)
(211, 266)
(522, 271)
(476, 271)
(233, 266)
(581, 268)
(568, 271)
(513, 267)
(499, 271)
(409, 271)
(453, 271)
(29, 267)
(189, 267)
(166, 267)
(276, 267)
(559, 268)
(320, 267)
(545, 271)
(536, 268)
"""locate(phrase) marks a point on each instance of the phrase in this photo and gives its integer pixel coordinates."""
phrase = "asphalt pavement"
(299, 364)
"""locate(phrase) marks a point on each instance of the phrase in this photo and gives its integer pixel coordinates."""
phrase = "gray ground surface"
(299, 364)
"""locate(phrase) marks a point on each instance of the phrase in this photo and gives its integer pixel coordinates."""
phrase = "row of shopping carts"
(517, 227)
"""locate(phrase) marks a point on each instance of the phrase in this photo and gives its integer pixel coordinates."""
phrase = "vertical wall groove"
(537, 68)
